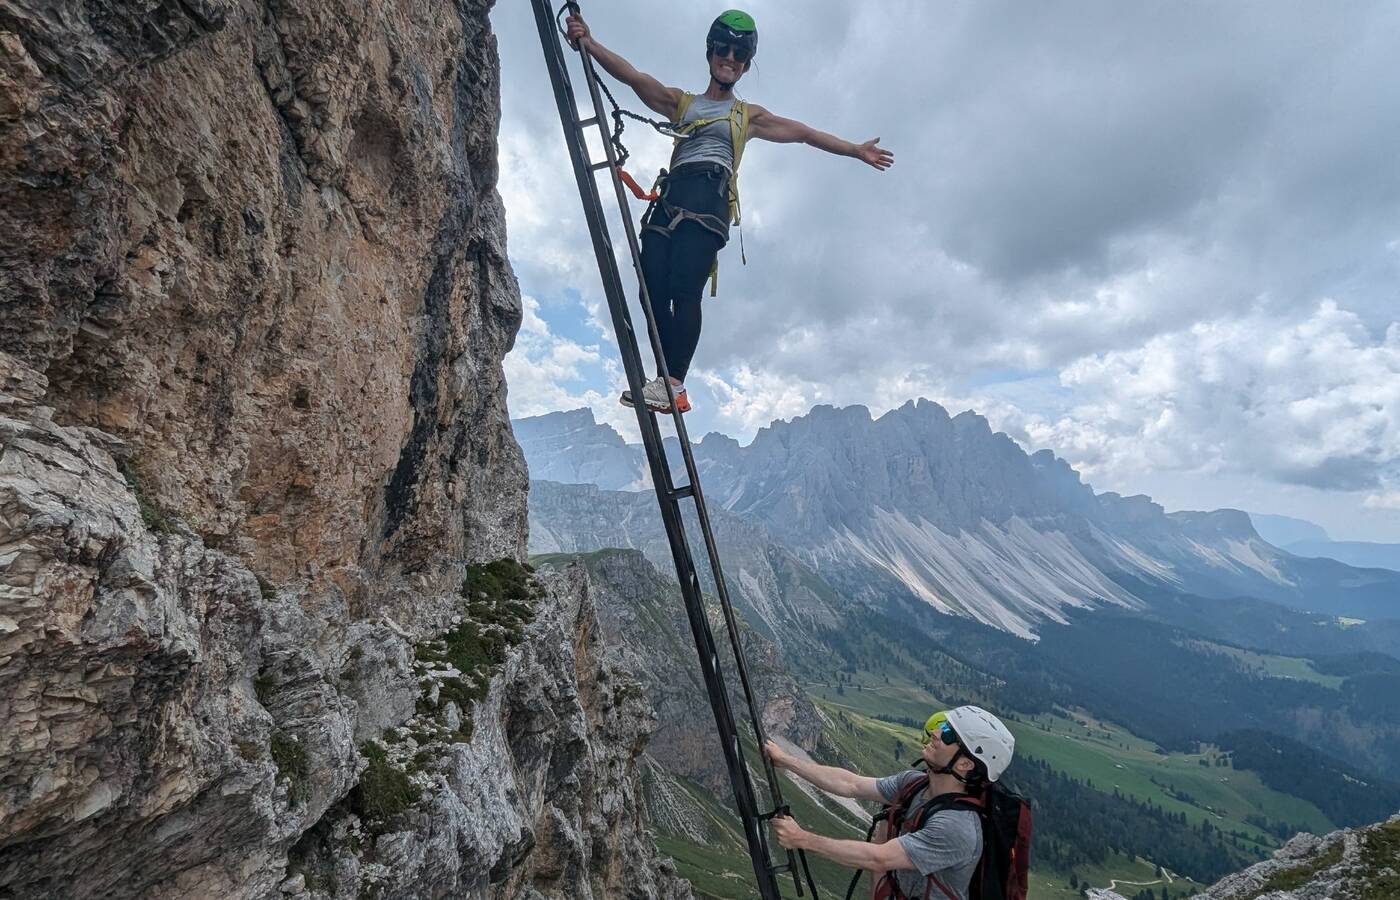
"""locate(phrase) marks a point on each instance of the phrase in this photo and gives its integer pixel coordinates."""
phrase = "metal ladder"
(668, 495)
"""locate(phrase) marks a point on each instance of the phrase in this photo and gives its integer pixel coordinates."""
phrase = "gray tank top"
(709, 143)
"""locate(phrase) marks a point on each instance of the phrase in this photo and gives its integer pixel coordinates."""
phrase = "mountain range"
(919, 505)
(1303, 538)
(1184, 671)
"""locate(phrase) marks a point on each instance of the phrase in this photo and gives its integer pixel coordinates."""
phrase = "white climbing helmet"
(983, 736)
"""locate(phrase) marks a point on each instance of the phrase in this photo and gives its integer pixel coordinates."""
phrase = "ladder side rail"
(592, 203)
(690, 587)
(683, 438)
(590, 77)
(692, 473)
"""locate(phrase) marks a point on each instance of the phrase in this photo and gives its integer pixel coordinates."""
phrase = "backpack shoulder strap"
(739, 128)
(943, 802)
(905, 798)
(683, 104)
(738, 137)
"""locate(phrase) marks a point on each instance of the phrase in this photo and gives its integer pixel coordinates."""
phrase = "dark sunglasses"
(740, 53)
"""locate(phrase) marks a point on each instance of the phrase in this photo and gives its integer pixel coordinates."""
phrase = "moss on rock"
(384, 790)
(500, 602)
(152, 515)
(1380, 861)
(292, 765)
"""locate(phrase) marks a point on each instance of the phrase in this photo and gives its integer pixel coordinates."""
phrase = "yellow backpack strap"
(682, 105)
(738, 136)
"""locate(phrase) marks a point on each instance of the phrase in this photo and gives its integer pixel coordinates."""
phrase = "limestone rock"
(254, 303)
(138, 743)
(1350, 864)
(642, 613)
(931, 508)
(261, 244)
(179, 729)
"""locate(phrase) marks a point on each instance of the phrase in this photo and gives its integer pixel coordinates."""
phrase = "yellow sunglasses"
(937, 726)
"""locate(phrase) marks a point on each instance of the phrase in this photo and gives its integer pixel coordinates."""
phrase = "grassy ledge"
(454, 672)
(457, 667)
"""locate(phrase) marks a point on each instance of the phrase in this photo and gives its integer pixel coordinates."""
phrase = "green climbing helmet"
(734, 27)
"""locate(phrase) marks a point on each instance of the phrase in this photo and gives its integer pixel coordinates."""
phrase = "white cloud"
(1313, 401)
(1148, 200)
(751, 399)
(542, 366)
(548, 372)
(1384, 500)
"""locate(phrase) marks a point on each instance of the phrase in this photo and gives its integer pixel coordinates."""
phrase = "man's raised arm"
(833, 780)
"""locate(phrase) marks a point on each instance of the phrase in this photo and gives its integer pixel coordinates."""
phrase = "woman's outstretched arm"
(769, 127)
(658, 98)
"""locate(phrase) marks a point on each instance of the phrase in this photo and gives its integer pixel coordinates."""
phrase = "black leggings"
(676, 265)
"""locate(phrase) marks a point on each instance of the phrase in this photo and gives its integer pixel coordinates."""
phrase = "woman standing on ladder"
(685, 227)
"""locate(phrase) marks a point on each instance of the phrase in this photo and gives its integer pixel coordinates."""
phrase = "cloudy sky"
(1162, 240)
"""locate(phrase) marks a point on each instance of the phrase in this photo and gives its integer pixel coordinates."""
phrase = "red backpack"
(1003, 872)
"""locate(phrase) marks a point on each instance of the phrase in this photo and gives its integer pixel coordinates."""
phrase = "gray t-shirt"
(709, 143)
(947, 847)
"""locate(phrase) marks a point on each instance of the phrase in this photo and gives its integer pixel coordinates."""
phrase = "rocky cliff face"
(252, 438)
(1351, 864)
(642, 614)
(262, 245)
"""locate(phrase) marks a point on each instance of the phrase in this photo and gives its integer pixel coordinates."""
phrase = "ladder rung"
(591, 120)
(684, 490)
(599, 165)
(780, 868)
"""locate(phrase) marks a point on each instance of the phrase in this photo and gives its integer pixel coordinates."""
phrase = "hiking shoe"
(654, 395)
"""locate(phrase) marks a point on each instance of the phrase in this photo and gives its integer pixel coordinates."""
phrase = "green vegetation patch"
(1269, 665)
(152, 515)
(1380, 862)
(1291, 879)
(500, 602)
(263, 686)
(292, 766)
(383, 791)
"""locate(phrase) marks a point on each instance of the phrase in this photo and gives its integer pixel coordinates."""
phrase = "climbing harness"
(668, 494)
(738, 118)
